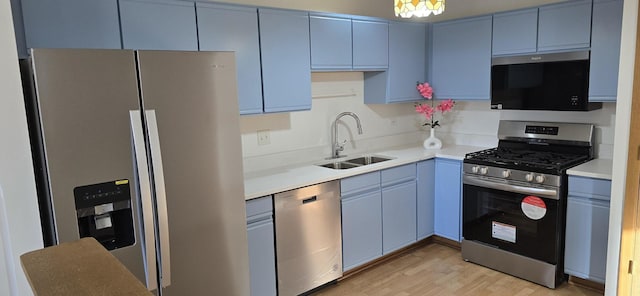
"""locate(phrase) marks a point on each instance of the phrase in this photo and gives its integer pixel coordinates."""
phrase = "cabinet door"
(448, 194)
(230, 28)
(361, 229)
(398, 216)
(425, 198)
(286, 60)
(461, 59)
(71, 24)
(515, 32)
(330, 43)
(262, 263)
(586, 238)
(158, 24)
(407, 60)
(605, 50)
(370, 44)
(564, 26)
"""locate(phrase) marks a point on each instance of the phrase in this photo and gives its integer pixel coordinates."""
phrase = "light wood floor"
(439, 270)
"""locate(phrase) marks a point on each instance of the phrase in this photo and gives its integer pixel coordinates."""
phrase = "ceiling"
(384, 8)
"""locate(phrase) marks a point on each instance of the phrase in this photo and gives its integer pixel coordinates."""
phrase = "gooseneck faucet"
(336, 146)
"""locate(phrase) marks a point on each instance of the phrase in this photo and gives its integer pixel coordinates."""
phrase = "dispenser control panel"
(104, 212)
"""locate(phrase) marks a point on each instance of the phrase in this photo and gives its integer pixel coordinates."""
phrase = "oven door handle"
(541, 192)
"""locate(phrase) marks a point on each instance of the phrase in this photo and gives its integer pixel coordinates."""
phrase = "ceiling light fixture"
(418, 8)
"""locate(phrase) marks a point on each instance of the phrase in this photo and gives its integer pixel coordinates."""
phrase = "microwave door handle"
(161, 196)
(541, 192)
(148, 231)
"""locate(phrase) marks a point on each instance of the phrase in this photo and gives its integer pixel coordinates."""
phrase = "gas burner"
(539, 161)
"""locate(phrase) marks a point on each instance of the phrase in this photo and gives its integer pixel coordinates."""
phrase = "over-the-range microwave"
(555, 81)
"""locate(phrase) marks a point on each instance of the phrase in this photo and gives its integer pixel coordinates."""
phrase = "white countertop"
(597, 168)
(276, 180)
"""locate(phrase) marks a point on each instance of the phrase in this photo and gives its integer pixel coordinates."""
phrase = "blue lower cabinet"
(260, 234)
(425, 184)
(448, 196)
(398, 216)
(587, 228)
(361, 229)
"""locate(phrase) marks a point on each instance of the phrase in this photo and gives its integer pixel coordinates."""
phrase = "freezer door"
(193, 99)
(84, 98)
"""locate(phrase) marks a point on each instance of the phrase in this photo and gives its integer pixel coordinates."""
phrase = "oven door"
(514, 217)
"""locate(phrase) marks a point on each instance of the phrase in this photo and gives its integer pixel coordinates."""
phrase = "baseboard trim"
(446, 242)
(586, 284)
(387, 257)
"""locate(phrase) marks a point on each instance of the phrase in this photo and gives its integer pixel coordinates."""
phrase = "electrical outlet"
(264, 137)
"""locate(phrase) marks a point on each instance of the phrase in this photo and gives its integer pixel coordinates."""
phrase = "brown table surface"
(83, 267)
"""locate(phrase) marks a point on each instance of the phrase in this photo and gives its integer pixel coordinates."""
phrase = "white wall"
(16, 172)
(620, 152)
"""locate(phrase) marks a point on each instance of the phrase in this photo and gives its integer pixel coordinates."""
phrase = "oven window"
(519, 223)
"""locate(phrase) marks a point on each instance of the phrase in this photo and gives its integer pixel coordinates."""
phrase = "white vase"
(432, 142)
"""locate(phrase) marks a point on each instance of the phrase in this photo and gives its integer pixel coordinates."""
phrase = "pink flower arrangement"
(429, 110)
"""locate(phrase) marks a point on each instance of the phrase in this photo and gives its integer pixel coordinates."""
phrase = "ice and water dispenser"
(104, 213)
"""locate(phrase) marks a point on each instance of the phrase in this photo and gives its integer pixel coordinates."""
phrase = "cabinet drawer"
(360, 183)
(259, 209)
(398, 174)
(590, 188)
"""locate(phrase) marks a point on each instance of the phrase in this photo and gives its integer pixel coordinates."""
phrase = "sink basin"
(355, 162)
(339, 165)
(365, 160)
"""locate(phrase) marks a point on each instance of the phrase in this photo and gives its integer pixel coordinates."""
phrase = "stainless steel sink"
(355, 162)
(339, 165)
(365, 160)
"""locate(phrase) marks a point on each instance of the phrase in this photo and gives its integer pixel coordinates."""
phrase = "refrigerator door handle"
(161, 196)
(146, 203)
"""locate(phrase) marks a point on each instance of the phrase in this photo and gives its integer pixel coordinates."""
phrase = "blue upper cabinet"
(515, 32)
(370, 45)
(461, 59)
(286, 60)
(564, 26)
(158, 24)
(71, 24)
(330, 43)
(407, 60)
(341, 43)
(605, 50)
(232, 28)
(407, 65)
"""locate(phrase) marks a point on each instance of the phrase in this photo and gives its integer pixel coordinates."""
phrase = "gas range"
(514, 198)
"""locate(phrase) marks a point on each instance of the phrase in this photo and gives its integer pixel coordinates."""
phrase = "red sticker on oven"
(533, 207)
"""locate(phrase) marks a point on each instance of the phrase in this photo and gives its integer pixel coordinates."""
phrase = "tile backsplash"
(305, 136)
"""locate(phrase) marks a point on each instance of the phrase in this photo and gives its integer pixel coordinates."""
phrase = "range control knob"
(540, 178)
(528, 177)
(484, 170)
(475, 169)
(506, 173)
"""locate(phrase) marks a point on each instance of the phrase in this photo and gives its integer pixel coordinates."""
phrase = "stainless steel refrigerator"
(141, 150)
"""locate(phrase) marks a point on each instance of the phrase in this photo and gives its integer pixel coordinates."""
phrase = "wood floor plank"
(439, 270)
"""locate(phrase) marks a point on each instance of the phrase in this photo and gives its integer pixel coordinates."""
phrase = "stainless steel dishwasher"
(308, 237)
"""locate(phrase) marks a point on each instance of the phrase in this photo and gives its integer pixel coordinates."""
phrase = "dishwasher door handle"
(310, 199)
